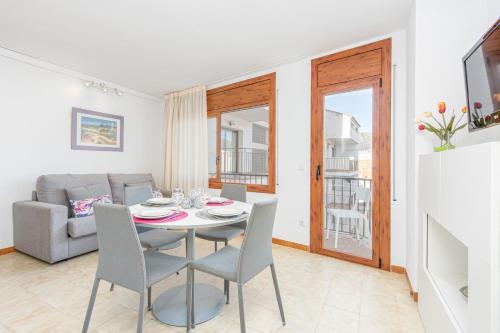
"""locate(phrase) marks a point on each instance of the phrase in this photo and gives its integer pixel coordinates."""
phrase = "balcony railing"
(339, 194)
(243, 166)
(340, 164)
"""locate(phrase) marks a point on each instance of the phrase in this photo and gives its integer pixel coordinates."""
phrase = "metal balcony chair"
(122, 260)
(241, 265)
(360, 194)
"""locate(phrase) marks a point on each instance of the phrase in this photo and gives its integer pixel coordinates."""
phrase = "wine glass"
(178, 196)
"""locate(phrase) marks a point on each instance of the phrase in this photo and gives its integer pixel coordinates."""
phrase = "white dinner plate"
(154, 213)
(216, 200)
(224, 212)
(160, 201)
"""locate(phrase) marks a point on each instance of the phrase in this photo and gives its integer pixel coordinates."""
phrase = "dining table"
(170, 306)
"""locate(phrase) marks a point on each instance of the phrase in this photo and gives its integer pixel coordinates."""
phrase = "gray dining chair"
(151, 238)
(224, 234)
(122, 260)
(157, 239)
(241, 265)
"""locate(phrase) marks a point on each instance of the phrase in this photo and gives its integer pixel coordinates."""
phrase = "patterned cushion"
(85, 193)
(85, 207)
(53, 188)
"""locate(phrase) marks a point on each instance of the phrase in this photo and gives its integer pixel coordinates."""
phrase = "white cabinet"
(459, 233)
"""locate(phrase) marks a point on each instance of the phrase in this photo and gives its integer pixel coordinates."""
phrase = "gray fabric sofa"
(44, 227)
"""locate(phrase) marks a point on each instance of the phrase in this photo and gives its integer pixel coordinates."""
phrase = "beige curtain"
(186, 156)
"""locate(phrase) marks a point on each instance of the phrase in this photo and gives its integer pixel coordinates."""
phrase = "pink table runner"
(171, 218)
(225, 203)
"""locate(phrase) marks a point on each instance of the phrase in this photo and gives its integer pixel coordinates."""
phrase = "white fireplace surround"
(459, 237)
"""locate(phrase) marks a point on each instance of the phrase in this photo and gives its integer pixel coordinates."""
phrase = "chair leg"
(215, 246)
(278, 295)
(112, 287)
(189, 299)
(90, 306)
(149, 299)
(326, 226)
(140, 319)
(242, 310)
(193, 314)
(226, 282)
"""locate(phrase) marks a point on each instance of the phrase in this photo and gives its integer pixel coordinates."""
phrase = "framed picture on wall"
(92, 130)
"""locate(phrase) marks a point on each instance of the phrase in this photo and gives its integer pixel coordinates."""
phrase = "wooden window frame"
(254, 92)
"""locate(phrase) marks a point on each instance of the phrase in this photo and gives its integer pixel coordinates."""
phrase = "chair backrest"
(364, 194)
(121, 260)
(135, 194)
(256, 250)
(236, 192)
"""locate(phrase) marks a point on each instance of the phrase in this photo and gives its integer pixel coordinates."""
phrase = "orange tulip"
(442, 107)
(464, 109)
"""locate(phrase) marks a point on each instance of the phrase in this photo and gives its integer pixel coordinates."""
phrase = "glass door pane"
(347, 163)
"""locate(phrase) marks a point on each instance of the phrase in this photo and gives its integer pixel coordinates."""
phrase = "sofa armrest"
(40, 230)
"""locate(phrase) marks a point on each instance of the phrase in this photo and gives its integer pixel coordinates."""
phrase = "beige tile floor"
(320, 294)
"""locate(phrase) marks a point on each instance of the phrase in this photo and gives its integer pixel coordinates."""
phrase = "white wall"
(440, 34)
(293, 147)
(35, 130)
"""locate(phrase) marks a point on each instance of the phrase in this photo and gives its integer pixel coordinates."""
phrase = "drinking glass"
(178, 196)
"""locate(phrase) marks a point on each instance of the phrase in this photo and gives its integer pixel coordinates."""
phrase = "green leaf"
(459, 128)
(450, 125)
(434, 130)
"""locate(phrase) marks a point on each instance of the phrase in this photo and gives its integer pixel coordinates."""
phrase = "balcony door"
(350, 155)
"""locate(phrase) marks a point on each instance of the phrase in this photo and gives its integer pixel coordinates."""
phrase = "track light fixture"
(102, 87)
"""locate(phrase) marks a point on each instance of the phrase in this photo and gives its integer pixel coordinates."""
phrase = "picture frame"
(91, 130)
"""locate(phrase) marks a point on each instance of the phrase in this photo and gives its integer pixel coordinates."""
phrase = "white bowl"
(160, 201)
(216, 200)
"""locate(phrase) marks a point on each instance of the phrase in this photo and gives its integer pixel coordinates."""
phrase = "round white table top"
(192, 221)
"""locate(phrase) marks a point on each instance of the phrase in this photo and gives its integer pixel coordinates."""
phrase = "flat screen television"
(482, 80)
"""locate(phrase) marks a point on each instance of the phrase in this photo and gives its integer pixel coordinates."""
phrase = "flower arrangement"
(443, 129)
(478, 119)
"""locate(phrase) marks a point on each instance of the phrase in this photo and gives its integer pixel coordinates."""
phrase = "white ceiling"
(158, 46)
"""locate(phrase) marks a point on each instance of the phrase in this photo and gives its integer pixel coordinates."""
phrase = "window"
(259, 134)
(241, 134)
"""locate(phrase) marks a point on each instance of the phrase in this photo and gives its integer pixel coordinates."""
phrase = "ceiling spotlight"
(103, 87)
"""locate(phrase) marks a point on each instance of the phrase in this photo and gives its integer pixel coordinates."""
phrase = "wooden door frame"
(384, 156)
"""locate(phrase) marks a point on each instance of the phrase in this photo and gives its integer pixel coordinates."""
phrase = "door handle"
(318, 172)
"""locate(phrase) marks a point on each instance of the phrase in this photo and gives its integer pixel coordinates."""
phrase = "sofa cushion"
(95, 192)
(117, 182)
(81, 226)
(85, 192)
(85, 207)
(52, 188)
